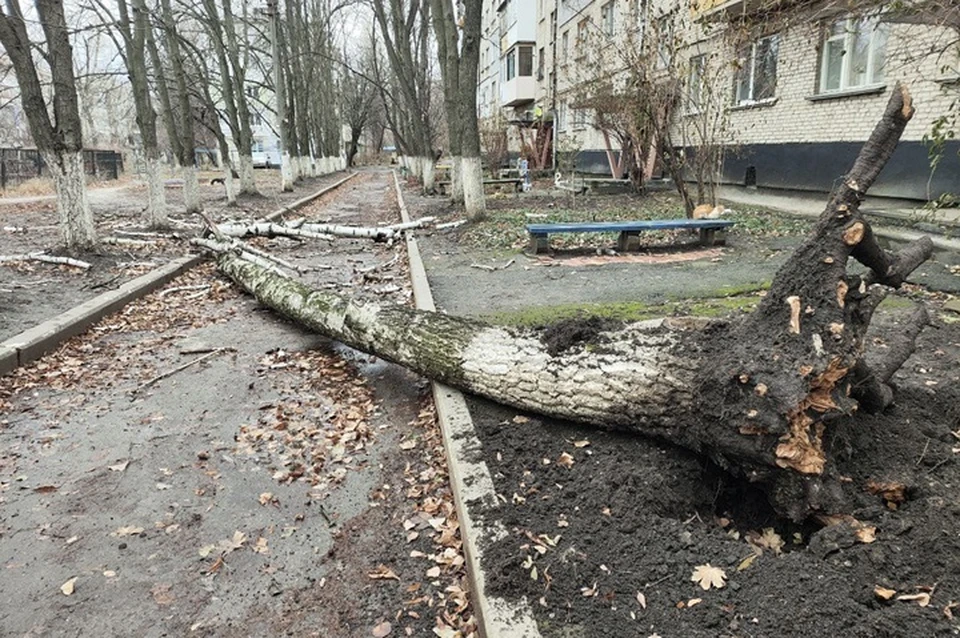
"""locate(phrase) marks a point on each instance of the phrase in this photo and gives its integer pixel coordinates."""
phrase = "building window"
(579, 119)
(854, 54)
(757, 71)
(582, 35)
(695, 83)
(663, 34)
(540, 63)
(511, 64)
(607, 18)
(562, 116)
(525, 59)
(565, 45)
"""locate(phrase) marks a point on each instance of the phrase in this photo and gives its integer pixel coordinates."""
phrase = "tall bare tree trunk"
(59, 140)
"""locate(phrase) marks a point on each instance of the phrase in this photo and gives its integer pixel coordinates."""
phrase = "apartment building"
(798, 91)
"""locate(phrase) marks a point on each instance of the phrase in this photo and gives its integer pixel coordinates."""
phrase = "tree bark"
(59, 140)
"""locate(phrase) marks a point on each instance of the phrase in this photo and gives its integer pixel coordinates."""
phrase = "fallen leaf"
(583, 443)
(265, 498)
(408, 444)
(769, 539)
(641, 600)
(748, 561)
(866, 534)
(261, 546)
(382, 630)
(161, 594)
(206, 550)
(433, 572)
(382, 572)
(119, 467)
(948, 610)
(566, 460)
(587, 592)
(110, 573)
(127, 531)
(694, 602)
(521, 419)
(67, 587)
(412, 536)
(45, 489)
(883, 593)
(163, 486)
(708, 576)
(922, 599)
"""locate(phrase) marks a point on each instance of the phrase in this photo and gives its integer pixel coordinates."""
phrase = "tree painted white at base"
(427, 173)
(229, 184)
(286, 173)
(248, 181)
(77, 230)
(456, 178)
(471, 175)
(156, 195)
(191, 190)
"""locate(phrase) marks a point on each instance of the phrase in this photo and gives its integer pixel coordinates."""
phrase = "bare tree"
(459, 65)
(359, 97)
(405, 30)
(60, 139)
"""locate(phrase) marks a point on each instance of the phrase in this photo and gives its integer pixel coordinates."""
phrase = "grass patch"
(712, 307)
(505, 225)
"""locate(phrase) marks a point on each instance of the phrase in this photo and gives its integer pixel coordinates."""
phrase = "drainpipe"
(553, 84)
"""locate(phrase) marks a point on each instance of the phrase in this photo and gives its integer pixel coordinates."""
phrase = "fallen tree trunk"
(755, 396)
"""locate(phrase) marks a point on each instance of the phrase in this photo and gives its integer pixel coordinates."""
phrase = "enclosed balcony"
(519, 86)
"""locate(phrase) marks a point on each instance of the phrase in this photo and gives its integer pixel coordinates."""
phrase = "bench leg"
(708, 236)
(628, 242)
(539, 244)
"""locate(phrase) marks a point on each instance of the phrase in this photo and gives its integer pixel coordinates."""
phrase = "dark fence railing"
(18, 165)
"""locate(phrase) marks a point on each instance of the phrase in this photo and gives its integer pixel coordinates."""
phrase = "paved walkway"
(811, 205)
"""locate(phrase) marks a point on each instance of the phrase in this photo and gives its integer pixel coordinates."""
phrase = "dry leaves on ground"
(708, 576)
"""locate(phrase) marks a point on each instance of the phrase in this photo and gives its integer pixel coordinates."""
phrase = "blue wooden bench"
(711, 231)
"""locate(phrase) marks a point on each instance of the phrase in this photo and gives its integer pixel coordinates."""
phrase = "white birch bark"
(229, 184)
(156, 194)
(77, 230)
(427, 173)
(191, 190)
(248, 179)
(633, 381)
(472, 182)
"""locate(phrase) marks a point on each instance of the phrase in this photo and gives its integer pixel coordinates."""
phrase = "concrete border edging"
(32, 344)
(300, 203)
(471, 482)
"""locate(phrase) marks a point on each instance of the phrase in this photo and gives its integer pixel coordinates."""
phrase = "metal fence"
(18, 165)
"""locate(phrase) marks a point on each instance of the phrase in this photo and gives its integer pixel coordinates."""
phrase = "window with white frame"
(565, 45)
(608, 18)
(579, 118)
(663, 34)
(562, 116)
(854, 54)
(525, 60)
(757, 71)
(511, 64)
(696, 76)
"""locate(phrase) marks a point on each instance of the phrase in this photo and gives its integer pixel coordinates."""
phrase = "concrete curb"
(300, 203)
(471, 482)
(32, 344)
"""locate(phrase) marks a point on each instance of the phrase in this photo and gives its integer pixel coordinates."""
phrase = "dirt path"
(282, 486)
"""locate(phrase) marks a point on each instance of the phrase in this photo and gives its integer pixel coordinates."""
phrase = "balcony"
(728, 9)
(518, 91)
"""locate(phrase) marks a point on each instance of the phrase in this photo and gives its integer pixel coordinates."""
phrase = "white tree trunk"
(633, 381)
(472, 181)
(191, 190)
(286, 172)
(229, 185)
(156, 194)
(456, 179)
(248, 180)
(77, 230)
(427, 174)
